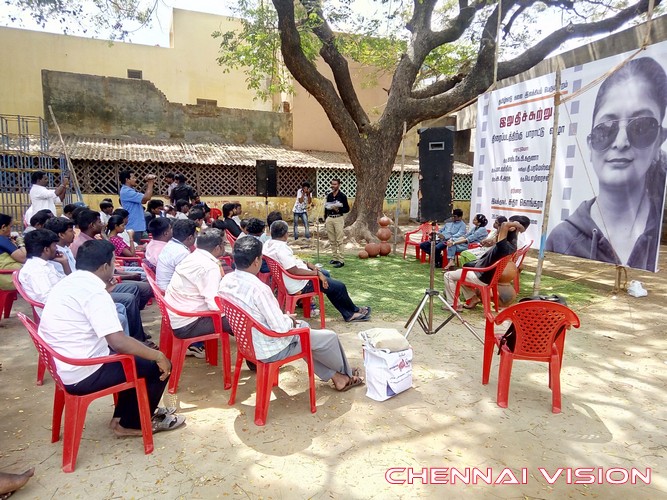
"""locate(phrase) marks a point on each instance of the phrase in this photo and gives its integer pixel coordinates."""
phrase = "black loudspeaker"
(267, 178)
(436, 168)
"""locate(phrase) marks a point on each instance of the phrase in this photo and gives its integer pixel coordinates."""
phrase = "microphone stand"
(424, 319)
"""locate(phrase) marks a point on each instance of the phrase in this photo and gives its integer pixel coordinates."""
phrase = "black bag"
(509, 338)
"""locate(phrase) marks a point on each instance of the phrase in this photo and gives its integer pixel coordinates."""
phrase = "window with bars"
(135, 74)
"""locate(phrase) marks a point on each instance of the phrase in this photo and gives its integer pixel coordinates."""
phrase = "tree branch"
(338, 65)
(535, 54)
(307, 75)
(438, 87)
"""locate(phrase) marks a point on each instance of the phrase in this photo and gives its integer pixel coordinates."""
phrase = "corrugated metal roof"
(205, 153)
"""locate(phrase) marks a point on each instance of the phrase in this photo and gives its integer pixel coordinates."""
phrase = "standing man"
(335, 208)
(171, 183)
(132, 201)
(182, 191)
(42, 198)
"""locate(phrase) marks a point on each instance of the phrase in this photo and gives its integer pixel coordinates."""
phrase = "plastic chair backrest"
(520, 254)
(19, 288)
(230, 238)
(46, 353)
(500, 267)
(241, 324)
(276, 273)
(536, 323)
(215, 213)
(149, 271)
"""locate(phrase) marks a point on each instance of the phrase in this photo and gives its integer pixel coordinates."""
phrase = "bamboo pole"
(550, 182)
(70, 167)
(400, 187)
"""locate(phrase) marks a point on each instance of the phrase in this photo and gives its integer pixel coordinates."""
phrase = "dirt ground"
(613, 385)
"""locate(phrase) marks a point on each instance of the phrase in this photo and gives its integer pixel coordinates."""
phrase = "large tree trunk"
(372, 167)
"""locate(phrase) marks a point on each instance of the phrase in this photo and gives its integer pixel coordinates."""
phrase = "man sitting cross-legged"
(194, 286)
(91, 227)
(46, 266)
(127, 295)
(245, 290)
(278, 249)
(79, 321)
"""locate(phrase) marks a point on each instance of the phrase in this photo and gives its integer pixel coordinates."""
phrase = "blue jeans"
(304, 217)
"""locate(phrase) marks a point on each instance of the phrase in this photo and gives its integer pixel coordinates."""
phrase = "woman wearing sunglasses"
(622, 224)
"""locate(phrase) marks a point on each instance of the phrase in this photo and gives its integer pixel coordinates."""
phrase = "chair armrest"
(270, 333)
(314, 279)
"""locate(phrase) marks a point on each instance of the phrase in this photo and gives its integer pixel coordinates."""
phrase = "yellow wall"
(185, 72)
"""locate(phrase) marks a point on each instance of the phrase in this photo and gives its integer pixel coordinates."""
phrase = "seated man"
(245, 290)
(453, 229)
(125, 294)
(194, 286)
(39, 274)
(278, 249)
(90, 224)
(160, 229)
(79, 321)
(228, 223)
(177, 249)
(506, 245)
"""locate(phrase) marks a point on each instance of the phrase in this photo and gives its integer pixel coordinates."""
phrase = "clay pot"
(506, 294)
(385, 249)
(383, 234)
(508, 273)
(373, 249)
(384, 221)
(363, 254)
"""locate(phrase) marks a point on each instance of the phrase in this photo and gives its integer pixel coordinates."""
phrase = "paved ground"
(613, 385)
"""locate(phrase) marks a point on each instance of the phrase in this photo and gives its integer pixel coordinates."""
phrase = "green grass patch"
(394, 287)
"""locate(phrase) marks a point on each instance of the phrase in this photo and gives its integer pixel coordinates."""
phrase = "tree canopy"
(440, 55)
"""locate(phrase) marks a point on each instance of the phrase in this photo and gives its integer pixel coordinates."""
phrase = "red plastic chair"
(215, 214)
(425, 230)
(41, 367)
(519, 256)
(130, 261)
(487, 292)
(7, 298)
(230, 238)
(537, 324)
(175, 348)
(75, 406)
(267, 373)
(289, 301)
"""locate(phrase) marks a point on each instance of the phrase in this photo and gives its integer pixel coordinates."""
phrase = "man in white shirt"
(278, 249)
(79, 321)
(183, 237)
(127, 296)
(194, 286)
(42, 271)
(245, 290)
(42, 198)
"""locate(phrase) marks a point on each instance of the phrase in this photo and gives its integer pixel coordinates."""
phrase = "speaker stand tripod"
(424, 319)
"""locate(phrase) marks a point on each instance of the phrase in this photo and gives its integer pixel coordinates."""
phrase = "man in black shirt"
(335, 208)
(506, 245)
(228, 224)
(182, 191)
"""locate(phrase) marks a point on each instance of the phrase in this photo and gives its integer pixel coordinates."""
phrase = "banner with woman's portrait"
(609, 182)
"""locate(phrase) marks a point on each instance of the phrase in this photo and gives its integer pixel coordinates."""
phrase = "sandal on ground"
(353, 381)
(167, 422)
(161, 411)
(471, 306)
(361, 317)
